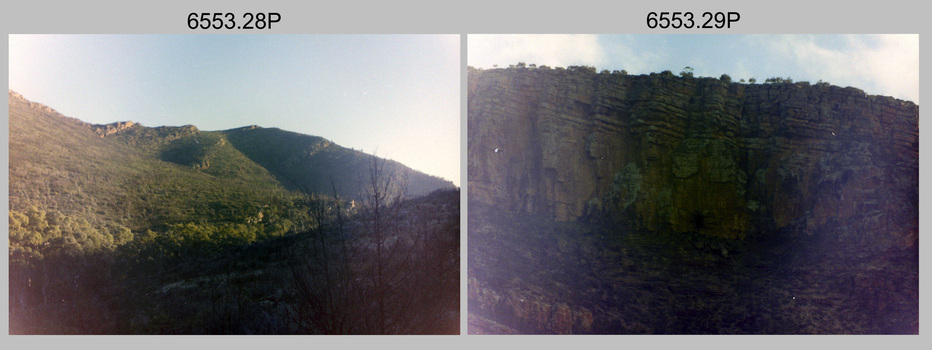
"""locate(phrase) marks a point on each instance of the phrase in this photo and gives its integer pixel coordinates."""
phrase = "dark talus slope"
(825, 171)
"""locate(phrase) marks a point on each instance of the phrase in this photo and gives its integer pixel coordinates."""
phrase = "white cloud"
(894, 64)
(879, 64)
(559, 50)
(622, 53)
(741, 71)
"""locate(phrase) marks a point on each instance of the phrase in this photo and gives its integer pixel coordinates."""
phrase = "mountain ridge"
(136, 134)
(140, 177)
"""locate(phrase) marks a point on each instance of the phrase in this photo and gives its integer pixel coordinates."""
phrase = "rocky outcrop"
(18, 98)
(112, 128)
(660, 152)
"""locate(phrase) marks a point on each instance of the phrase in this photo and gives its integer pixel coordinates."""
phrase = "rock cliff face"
(608, 203)
(660, 152)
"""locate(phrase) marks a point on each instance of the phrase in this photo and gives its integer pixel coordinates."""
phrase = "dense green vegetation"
(122, 228)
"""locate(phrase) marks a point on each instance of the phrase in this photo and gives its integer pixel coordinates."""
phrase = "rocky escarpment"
(112, 128)
(610, 203)
(666, 153)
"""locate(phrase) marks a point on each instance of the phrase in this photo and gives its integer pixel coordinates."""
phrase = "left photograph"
(234, 184)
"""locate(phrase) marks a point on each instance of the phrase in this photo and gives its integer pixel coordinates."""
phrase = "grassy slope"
(144, 177)
(60, 164)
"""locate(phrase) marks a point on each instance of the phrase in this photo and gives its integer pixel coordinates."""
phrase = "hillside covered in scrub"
(117, 229)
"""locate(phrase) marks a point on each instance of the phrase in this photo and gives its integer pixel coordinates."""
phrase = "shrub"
(687, 72)
(589, 69)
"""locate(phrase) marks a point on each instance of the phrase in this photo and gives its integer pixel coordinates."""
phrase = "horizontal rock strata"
(660, 152)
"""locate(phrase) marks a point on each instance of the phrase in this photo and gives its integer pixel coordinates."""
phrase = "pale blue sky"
(878, 64)
(394, 95)
(397, 95)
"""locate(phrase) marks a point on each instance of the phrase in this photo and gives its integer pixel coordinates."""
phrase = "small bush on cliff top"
(589, 69)
(687, 72)
(779, 80)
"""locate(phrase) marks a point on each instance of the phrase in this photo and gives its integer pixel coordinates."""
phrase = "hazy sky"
(394, 95)
(878, 64)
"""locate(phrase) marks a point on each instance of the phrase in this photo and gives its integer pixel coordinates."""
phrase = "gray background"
(476, 17)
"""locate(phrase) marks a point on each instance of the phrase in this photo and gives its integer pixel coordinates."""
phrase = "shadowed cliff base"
(530, 275)
(666, 204)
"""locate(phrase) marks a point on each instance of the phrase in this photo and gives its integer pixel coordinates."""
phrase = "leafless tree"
(326, 298)
(389, 269)
(381, 202)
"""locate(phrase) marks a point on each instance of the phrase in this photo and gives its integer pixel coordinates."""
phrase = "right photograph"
(693, 184)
